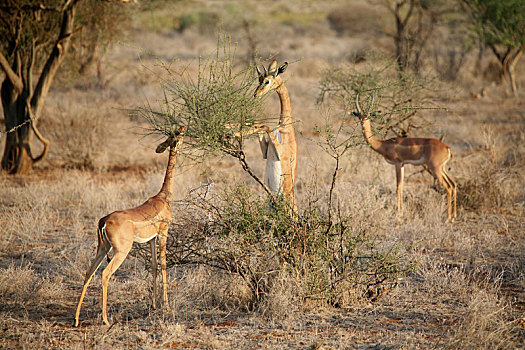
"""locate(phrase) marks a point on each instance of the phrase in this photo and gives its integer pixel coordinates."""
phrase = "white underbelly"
(144, 240)
(415, 161)
(408, 161)
(389, 161)
(273, 175)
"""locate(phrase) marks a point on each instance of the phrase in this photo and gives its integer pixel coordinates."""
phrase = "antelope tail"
(102, 236)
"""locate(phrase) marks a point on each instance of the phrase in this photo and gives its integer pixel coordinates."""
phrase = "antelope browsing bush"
(246, 234)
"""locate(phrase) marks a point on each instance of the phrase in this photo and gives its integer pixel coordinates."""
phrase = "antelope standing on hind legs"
(118, 230)
(279, 147)
(429, 153)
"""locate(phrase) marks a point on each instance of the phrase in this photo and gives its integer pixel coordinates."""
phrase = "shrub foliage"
(399, 97)
(239, 232)
(212, 106)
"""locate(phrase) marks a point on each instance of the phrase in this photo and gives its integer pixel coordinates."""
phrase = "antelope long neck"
(370, 138)
(167, 186)
(286, 108)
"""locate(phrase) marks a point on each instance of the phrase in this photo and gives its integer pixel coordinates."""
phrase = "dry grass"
(466, 291)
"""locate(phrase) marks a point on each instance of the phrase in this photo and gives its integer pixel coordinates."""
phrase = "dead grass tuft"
(284, 302)
(79, 138)
(22, 287)
(206, 288)
(495, 182)
(485, 323)
(480, 317)
(483, 193)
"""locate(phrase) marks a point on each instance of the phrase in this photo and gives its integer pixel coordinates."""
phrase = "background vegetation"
(345, 274)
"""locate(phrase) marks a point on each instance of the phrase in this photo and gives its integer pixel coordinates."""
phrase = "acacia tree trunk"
(17, 158)
(400, 37)
(508, 60)
(402, 15)
(22, 106)
(509, 69)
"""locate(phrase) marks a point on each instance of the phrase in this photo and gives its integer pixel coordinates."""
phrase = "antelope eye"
(267, 82)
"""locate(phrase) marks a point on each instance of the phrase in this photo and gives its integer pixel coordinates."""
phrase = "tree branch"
(55, 58)
(499, 55)
(11, 75)
(409, 13)
(41, 138)
(518, 53)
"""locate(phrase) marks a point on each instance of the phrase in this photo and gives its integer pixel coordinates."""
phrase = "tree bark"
(22, 105)
(17, 158)
(511, 64)
(508, 60)
(400, 37)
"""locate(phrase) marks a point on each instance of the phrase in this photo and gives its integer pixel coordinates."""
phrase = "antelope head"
(359, 114)
(269, 79)
(172, 140)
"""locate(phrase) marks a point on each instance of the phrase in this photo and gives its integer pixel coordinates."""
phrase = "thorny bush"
(240, 232)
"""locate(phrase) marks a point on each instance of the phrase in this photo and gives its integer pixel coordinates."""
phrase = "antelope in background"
(432, 154)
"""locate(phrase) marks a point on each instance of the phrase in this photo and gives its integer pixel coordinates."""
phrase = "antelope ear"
(162, 147)
(259, 73)
(282, 68)
(272, 68)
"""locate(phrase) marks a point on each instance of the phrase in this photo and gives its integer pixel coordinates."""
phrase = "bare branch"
(54, 60)
(409, 13)
(11, 75)
(41, 138)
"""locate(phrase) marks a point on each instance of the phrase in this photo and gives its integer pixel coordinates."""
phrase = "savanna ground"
(467, 289)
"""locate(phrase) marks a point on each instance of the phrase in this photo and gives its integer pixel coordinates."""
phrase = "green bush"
(240, 232)
(398, 99)
(205, 21)
(212, 105)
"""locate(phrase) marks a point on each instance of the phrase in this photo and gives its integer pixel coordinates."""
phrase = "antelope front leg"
(273, 139)
(153, 246)
(400, 172)
(253, 129)
(162, 248)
